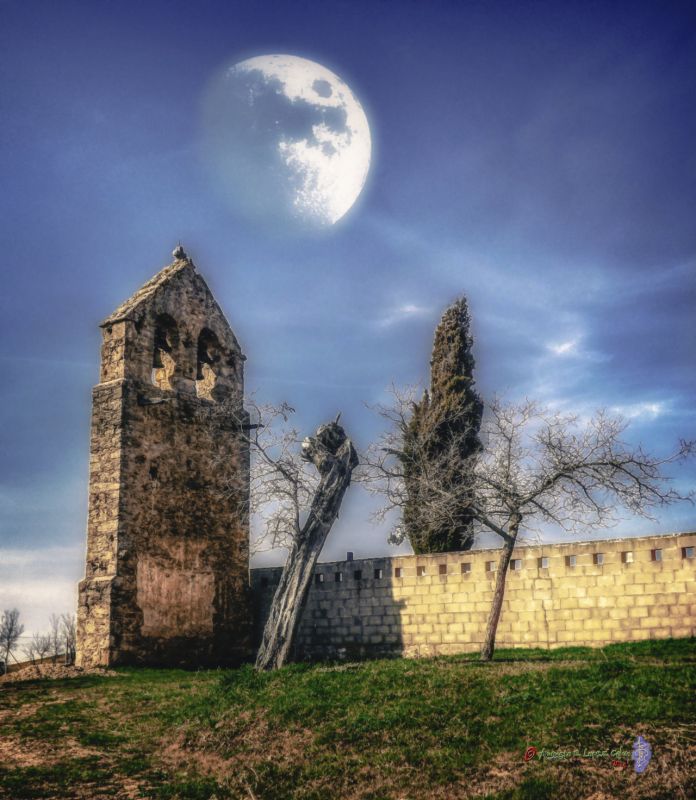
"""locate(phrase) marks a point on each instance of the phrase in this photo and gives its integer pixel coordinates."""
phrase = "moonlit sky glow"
(537, 156)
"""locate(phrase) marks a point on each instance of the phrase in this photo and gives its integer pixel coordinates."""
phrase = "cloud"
(40, 582)
(48, 556)
(573, 348)
(564, 348)
(403, 313)
(641, 410)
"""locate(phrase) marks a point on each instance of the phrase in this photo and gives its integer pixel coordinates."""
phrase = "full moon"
(286, 140)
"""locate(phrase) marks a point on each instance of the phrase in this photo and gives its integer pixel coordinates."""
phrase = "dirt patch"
(51, 672)
(670, 773)
(520, 667)
(236, 749)
(16, 751)
(502, 667)
(237, 745)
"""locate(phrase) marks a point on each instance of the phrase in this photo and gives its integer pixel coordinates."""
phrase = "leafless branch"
(543, 466)
(281, 483)
(550, 467)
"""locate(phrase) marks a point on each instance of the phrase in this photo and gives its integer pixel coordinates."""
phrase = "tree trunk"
(333, 454)
(497, 605)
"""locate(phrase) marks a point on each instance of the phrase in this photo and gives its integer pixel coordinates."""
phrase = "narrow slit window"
(627, 557)
(420, 571)
(319, 577)
(598, 559)
(378, 573)
(398, 572)
(338, 577)
(687, 552)
(442, 569)
(466, 567)
(544, 562)
(656, 555)
(516, 564)
(571, 561)
(491, 566)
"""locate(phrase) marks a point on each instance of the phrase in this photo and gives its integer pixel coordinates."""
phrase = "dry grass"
(34, 672)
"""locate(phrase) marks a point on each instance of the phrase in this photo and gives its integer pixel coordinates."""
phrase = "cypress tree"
(441, 441)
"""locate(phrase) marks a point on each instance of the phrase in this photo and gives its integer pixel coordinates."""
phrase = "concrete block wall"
(575, 593)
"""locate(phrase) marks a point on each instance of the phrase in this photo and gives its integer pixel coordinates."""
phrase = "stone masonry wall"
(166, 578)
(558, 596)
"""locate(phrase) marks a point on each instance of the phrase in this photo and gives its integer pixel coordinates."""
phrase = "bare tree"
(68, 626)
(10, 631)
(30, 651)
(545, 467)
(282, 483)
(56, 637)
(538, 467)
(60, 640)
(39, 647)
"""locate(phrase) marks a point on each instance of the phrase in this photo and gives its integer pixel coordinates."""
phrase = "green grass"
(446, 727)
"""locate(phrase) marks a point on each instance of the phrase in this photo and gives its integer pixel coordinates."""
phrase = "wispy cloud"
(404, 313)
(564, 348)
(646, 410)
(573, 348)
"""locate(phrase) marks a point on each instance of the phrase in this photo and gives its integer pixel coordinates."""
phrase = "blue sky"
(536, 156)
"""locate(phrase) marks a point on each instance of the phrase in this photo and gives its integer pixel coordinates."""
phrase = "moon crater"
(286, 140)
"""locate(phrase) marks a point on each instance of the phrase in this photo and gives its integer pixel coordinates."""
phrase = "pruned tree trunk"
(497, 604)
(334, 456)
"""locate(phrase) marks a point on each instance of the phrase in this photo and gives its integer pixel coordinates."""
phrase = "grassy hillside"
(437, 728)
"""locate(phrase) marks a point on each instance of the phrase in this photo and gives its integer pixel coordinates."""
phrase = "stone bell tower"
(166, 579)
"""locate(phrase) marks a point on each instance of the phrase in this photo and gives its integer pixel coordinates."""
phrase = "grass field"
(434, 728)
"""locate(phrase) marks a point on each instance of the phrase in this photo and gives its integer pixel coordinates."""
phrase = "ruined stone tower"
(166, 578)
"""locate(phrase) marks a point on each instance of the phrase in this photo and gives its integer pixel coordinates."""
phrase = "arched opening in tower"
(165, 351)
(208, 363)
